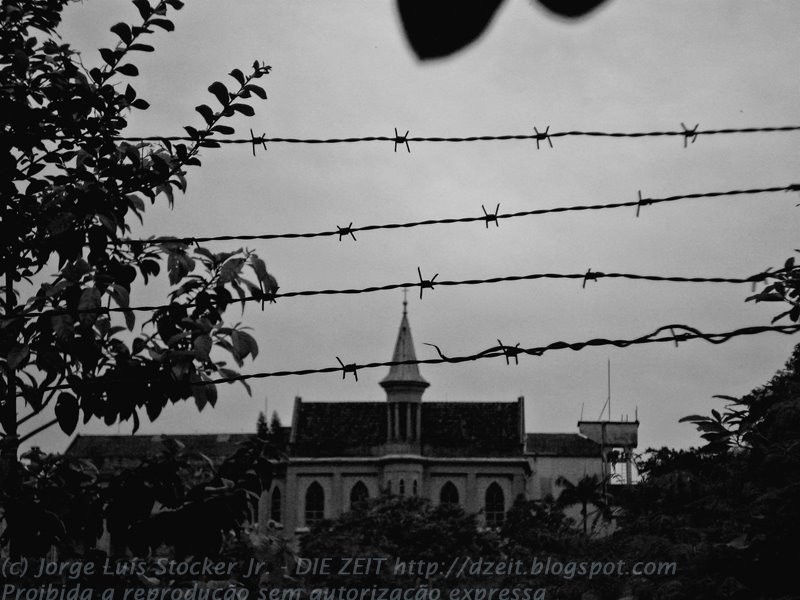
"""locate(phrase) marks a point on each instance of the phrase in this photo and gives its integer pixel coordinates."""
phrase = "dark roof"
(560, 444)
(468, 429)
(471, 429)
(404, 351)
(338, 428)
(213, 445)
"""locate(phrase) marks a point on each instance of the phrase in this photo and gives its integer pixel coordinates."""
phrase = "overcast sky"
(344, 69)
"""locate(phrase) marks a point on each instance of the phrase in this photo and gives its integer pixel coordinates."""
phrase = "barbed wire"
(688, 134)
(685, 333)
(487, 217)
(422, 284)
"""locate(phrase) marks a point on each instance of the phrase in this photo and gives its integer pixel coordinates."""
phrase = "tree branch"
(38, 430)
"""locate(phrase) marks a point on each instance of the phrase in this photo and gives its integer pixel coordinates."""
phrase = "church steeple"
(404, 382)
(404, 387)
(404, 376)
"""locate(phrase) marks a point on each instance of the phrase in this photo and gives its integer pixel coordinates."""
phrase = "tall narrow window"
(358, 494)
(495, 508)
(275, 505)
(315, 504)
(414, 487)
(402, 491)
(448, 494)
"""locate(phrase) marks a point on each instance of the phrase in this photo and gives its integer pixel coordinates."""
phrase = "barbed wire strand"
(505, 351)
(486, 217)
(686, 133)
(422, 284)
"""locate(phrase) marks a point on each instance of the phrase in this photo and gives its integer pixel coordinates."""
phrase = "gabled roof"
(455, 429)
(471, 428)
(213, 445)
(324, 429)
(561, 444)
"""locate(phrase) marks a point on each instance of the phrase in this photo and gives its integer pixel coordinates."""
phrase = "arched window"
(414, 487)
(402, 491)
(495, 508)
(275, 505)
(315, 504)
(358, 493)
(448, 494)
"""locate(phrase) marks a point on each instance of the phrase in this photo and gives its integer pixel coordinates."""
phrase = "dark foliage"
(69, 189)
(438, 28)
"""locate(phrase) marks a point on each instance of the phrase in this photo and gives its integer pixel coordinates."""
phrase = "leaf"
(108, 55)
(135, 416)
(63, 327)
(138, 345)
(145, 10)
(692, 418)
(230, 270)
(165, 24)
(245, 109)
(203, 392)
(259, 267)
(67, 412)
(178, 266)
(141, 47)
(238, 76)
(123, 31)
(202, 346)
(220, 91)
(128, 69)
(435, 29)
(223, 129)
(231, 374)
(130, 319)
(17, 355)
(153, 406)
(207, 114)
(33, 396)
(90, 300)
(244, 344)
(257, 90)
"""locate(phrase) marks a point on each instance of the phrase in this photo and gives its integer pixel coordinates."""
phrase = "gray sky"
(344, 69)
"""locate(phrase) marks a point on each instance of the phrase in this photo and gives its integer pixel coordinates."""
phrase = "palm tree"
(590, 490)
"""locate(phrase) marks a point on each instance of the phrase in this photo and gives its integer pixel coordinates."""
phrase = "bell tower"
(404, 387)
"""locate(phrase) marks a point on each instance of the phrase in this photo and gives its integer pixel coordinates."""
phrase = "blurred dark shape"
(571, 8)
(437, 28)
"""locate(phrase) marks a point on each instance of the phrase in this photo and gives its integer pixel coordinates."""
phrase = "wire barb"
(689, 134)
(425, 283)
(255, 141)
(511, 352)
(590, 277)
(489, 217)
(641, 202)
(398, 139)
(542, 136)
(351, 368)
(346, 231)
(438, 350)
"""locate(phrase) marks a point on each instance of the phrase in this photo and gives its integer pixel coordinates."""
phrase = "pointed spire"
(404, 381)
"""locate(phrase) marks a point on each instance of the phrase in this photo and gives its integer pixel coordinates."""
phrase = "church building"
(474, 454)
